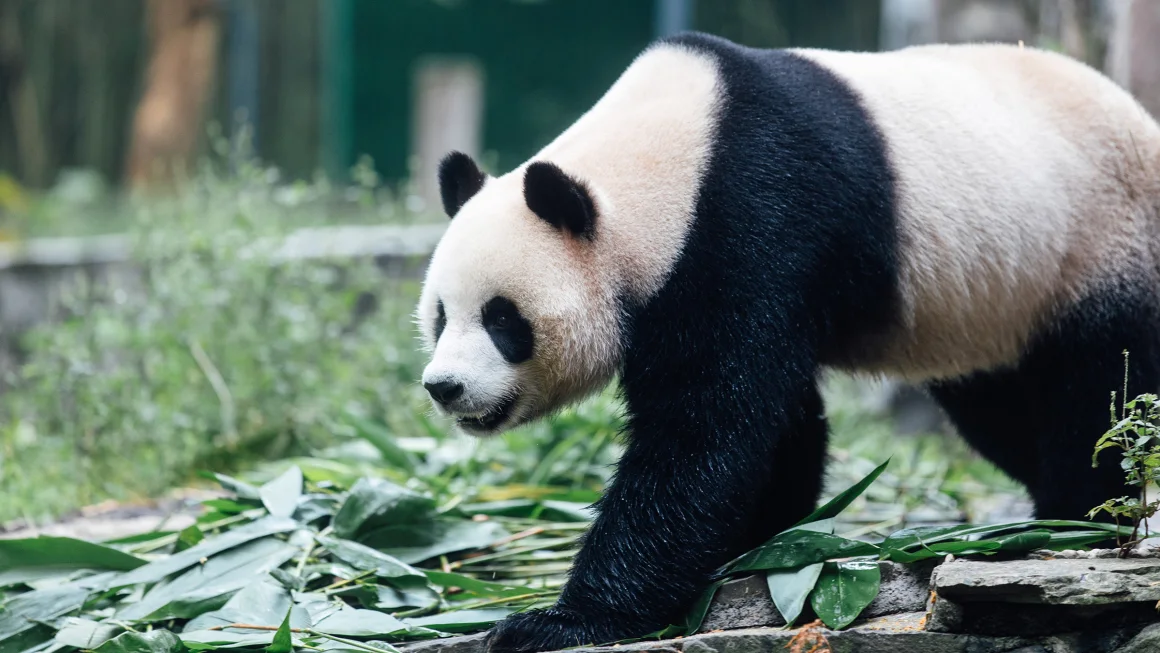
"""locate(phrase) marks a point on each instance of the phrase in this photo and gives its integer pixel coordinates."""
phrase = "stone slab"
(895, 634)
(1099, 581)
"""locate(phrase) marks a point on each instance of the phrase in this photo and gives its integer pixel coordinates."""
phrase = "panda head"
(518, 312)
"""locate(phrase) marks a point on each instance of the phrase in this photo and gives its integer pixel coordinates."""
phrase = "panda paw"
(550, 629)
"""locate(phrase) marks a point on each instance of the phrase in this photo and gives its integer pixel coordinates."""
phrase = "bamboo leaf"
(844, 589)
(790, 588)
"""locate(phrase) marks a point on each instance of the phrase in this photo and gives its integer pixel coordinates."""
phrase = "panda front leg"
(701, 481)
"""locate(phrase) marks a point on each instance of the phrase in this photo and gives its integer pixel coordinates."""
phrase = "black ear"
(560, 200)
(459, 180)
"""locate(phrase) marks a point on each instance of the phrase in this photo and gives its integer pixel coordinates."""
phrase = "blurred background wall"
(129, 88)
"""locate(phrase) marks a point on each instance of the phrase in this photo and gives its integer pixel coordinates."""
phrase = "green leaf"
(226, 506)
(283, 642)
(696, 615)
(241, 489)
(261, 603)
(1076, 540)
(22, 612)
(462, 621)
(187, 538)
(159, 569)
(153, 641)
(207, 587)
(63, 553)
(368, 559)
(835, 506)
(375, 502)
(475, 586)
(844, 589)
(384, 441)
(415, 542)
(796, 548)
(1024, 541)
(385, 598)
(789, 589)
(280, 496)
(360, 623)
(85, 633)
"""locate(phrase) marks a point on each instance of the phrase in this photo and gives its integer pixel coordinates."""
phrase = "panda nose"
(444, 392)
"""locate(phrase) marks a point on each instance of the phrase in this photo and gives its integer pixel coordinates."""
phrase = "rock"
(894, 634)
(1052, 582)
(1147, 641)
(1041, 597)
(742, 603)
(745, 602)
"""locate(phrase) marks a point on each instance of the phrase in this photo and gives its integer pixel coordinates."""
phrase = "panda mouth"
(490, 420)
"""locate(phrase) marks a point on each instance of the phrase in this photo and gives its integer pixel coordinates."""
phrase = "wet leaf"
(790, 588)
(376, 502)
(797, 548)
(843, 590)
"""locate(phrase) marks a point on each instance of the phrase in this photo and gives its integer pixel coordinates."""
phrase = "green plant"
(319, 557)
(1136, 433)
(210, 353)
(839, 576)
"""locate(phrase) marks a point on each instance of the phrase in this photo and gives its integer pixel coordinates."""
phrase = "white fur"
(1024, 178)
(641, 150)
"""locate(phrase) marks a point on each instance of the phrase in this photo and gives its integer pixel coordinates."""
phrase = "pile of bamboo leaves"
(302, 565)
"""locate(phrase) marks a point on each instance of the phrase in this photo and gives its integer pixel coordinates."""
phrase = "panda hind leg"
(1040, 421)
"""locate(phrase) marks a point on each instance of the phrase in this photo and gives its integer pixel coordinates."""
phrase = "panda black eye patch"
(440, 320)
(509, 330)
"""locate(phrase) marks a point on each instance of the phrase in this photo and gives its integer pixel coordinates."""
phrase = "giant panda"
(726, 223)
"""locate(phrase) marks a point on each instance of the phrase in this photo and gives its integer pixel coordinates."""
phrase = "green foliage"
(1137, 435)
(839, 576)
(218, 352)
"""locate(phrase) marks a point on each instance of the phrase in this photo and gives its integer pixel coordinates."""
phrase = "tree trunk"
(184, 36)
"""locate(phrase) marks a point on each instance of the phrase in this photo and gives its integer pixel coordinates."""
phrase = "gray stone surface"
(1053, 582)
(895, 634)
(745, 602)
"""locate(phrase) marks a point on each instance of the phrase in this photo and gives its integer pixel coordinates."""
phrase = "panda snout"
(444, 392)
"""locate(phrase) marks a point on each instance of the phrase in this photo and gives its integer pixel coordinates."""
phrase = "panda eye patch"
(440, 320)
(509, 330)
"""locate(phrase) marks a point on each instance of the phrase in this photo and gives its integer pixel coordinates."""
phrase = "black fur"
(440, 320)
(1039, 421)
(459, 180)
(559, 199)
(791, 257)
(790, 264)
(509, 330)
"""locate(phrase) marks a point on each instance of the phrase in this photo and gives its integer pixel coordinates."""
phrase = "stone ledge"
(894, 634)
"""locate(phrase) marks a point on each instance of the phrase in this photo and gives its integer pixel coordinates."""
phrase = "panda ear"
(459, 180)
(560, 200)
